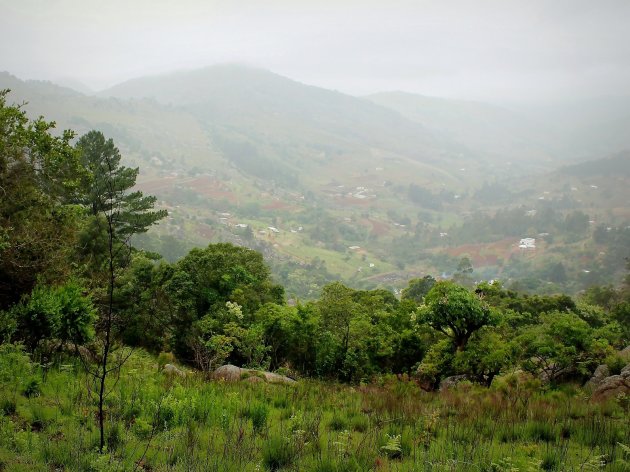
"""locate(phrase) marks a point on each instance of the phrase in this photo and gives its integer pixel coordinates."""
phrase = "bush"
(258, 413)
(550, 461)
(8, 406)
(165, 358)
(32, 388)
(540, 431)
(338, 422)
(277, 453)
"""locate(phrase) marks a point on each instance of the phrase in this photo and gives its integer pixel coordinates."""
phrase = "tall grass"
(185, 424)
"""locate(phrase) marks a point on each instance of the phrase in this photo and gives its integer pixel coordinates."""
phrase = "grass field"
(159, 423)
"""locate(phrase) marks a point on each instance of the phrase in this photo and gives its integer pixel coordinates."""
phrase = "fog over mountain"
(368, 141)
(517, 51)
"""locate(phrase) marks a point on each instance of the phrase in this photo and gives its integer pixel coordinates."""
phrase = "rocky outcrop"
(228, 372)
(231, 373)
(598, 377)
(450, 382)
(270, 377)
(173, 371)
(614, 385)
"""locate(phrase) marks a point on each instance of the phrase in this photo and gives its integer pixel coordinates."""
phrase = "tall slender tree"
(117, 214)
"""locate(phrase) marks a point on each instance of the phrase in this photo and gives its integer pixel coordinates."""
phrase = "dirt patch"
(280, 205)
(486, 254)
(213, 188)
(379, 228)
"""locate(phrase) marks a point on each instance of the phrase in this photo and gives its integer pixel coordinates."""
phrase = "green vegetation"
(107, 352)
(155, 422)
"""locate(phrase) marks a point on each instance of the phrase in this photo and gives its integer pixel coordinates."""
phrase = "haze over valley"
(370, 189)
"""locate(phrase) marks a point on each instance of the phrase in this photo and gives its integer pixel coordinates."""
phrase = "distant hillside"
(490, 132)
(617, 165)
(141, 129)
(248, 108)
(586, 128)
(330, 186)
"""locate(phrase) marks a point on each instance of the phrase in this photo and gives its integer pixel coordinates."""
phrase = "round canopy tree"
(455, 311)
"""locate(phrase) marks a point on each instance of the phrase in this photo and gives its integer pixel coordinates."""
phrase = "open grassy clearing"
(160, 423)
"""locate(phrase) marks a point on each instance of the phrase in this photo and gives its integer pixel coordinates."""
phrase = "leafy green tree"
(417, 288)
(142, 303)
(117, 211)
(455, 311)
(337, 311)
(39, 175)
(562, 344)
(206, 279)
(486, 355)
(62, 314)
(290, 334)
(436, 364)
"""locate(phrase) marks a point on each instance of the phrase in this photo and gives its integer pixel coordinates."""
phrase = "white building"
(527, 243)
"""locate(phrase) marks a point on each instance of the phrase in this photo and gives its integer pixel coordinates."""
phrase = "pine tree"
(118, 214)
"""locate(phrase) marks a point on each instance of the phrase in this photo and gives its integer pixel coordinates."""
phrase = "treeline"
(71, 281)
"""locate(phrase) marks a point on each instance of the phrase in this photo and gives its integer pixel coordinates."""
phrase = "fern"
(392, 448)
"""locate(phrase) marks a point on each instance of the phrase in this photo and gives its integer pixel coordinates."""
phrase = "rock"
(277, 378)
(231, 373)
(228, 372)
(625, 353)
(170, 369)
(450, 382)
(614, 385)
(253, 379)
(598, 377)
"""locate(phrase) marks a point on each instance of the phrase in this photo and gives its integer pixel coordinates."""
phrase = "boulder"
(450, 382)
(277, 378)
(598, 377)
(231, 373)
(625, 353)
(253, 379)
(171, 370)
(614, 385)
(228, 372)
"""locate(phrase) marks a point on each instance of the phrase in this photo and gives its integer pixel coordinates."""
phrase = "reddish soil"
(152, 186)
(280, 205)
(212, 188)
(379, 228)
(486, 254)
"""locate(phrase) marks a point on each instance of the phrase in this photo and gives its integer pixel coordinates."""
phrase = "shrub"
(359, 423)
(258, 413)
(32, 388)
(165, 358)
(114, 437)
(392, 447)
(142, 428)
(8, 406)
(338, 423)
(540, 431)
(550, 461)
(277, 453)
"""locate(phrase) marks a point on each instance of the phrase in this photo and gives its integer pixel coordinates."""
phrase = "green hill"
(373, 186)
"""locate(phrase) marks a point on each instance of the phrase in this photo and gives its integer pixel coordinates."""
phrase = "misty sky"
(482, 49)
